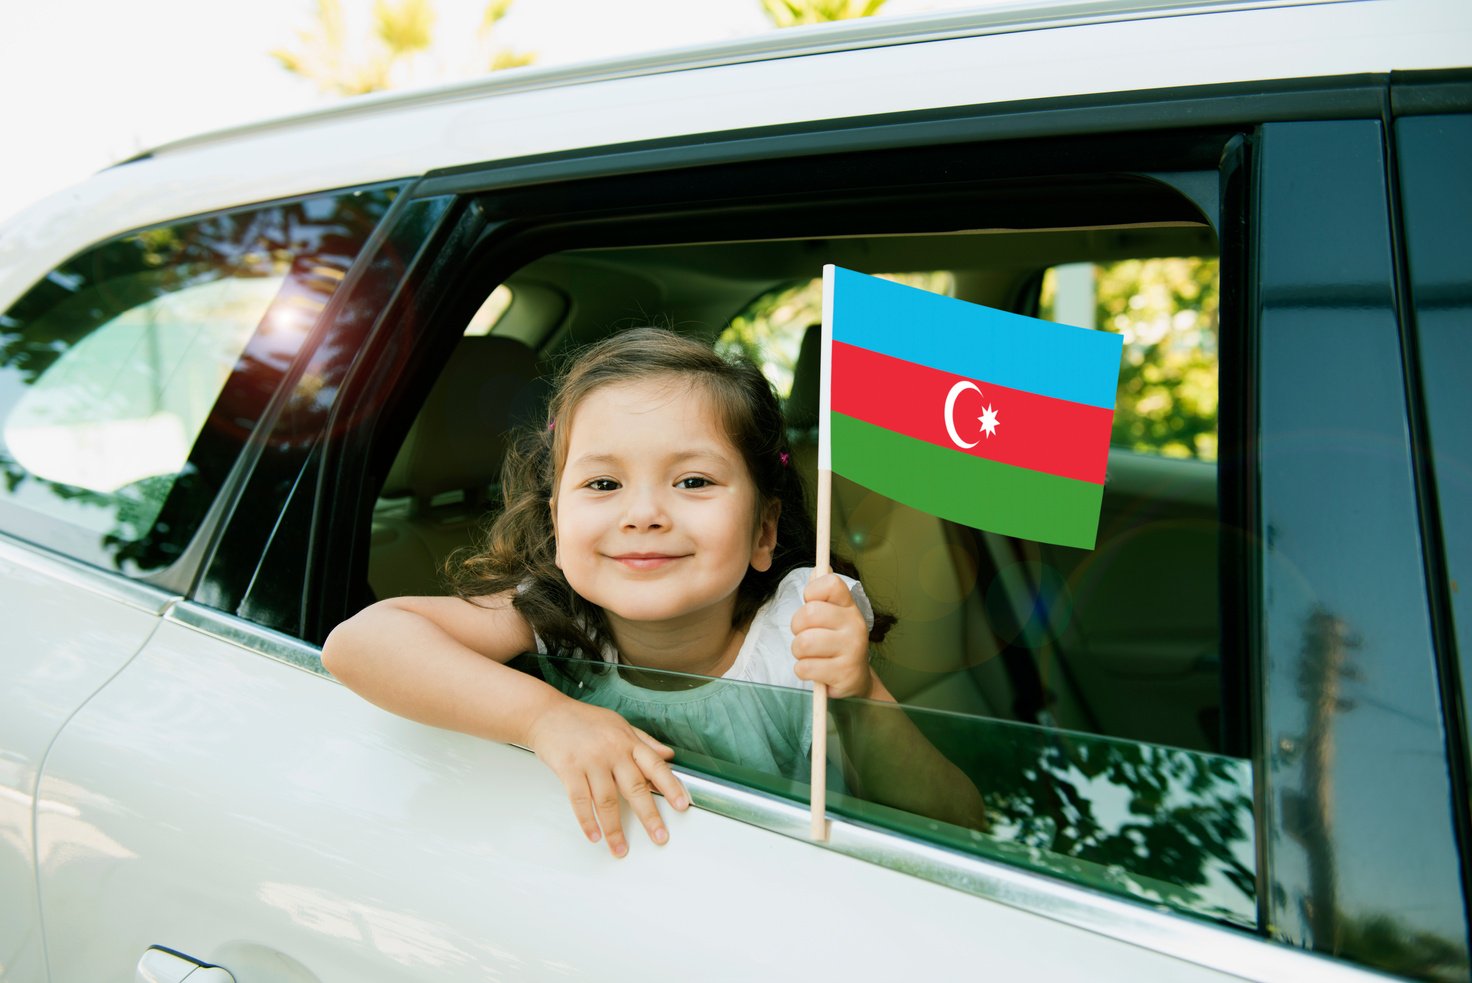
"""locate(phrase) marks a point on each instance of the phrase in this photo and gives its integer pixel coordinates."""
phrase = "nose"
(644, 508)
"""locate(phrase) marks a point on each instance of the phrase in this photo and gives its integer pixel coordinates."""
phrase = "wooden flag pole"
(818, 796)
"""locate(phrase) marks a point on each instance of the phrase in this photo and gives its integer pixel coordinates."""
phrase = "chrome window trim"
(1201, 943)
(257, 638)
(75, 573)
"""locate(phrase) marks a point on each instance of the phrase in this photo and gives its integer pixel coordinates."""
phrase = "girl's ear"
(766, 538)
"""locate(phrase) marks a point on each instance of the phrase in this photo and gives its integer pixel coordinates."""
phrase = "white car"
(253, 380)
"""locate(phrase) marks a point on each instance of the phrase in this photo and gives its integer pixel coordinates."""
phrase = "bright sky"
(86, 83)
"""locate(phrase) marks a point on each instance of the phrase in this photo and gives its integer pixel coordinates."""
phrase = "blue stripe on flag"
(951, 335)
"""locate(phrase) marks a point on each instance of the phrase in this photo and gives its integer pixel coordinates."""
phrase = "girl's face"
(655, 514)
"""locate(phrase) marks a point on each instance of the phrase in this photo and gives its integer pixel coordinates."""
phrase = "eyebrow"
(695, 453)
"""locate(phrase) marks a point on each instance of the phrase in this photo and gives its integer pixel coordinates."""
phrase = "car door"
(46, 675)
(113, 366)
(222, 797)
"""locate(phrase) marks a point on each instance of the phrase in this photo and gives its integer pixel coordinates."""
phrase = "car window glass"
(1167, 309)
(124, 404)
(131, 375)
(1154, 823)
(1438, 217)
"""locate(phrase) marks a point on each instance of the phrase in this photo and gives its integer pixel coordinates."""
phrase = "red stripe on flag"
(1040, 433)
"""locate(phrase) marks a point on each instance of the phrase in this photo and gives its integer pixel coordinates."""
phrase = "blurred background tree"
(790, 13)
(769, 330)
(1168, 311)
(349, 50)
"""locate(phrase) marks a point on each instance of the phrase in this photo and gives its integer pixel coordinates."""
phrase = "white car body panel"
(63, 641)
(472, 845)
(532, 112)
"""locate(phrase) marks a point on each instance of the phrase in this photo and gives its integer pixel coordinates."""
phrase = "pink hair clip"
(783, 455)
(551, 425)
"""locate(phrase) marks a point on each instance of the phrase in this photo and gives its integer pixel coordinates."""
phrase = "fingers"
(640, 795)
(605, 807)
(830, 639)
(828, 604)
(596, 795)
(581, 798)
(821, 628)
(663, 750)
(829, 588)
(661, 774)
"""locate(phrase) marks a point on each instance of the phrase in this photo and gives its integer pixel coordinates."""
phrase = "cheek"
(575, 532)
(556, 539)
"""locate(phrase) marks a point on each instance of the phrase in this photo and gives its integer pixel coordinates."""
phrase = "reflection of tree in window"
(1164, 824)
(125, 403)
(160, 348)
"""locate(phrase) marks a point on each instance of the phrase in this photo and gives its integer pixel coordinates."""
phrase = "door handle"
(160, 965)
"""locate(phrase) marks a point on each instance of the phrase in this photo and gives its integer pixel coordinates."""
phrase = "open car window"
(1158, 824)
(1079, 693)
(1092, 699)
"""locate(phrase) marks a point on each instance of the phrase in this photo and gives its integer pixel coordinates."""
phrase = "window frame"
(496, 243)
(1315, 256)
(1151, 117)
(1433, 213)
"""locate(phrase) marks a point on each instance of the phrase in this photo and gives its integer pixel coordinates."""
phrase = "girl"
(657, 522)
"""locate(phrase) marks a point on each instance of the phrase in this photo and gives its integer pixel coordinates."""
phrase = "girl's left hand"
(830, 639)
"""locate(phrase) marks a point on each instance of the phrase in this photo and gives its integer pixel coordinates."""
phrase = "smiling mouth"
(646, 561)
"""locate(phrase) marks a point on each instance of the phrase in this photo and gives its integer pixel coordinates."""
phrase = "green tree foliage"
(769, 331)
(790, 13)
(1168, 311)
(401, 42)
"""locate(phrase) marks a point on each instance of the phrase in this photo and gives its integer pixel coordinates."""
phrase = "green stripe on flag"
(970, 490)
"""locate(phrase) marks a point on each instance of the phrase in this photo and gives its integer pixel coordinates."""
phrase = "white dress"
(757, 715)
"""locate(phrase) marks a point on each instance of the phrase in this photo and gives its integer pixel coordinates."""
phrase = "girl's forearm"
(894, 764)
(406, 664)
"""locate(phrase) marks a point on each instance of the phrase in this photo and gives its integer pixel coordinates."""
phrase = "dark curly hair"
(518, 555)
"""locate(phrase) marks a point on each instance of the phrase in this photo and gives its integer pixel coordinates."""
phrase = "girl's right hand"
(600, 758)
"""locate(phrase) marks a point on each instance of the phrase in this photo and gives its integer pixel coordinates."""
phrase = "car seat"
(444, 481)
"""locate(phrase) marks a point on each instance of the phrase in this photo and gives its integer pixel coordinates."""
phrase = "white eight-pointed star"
(989, 421)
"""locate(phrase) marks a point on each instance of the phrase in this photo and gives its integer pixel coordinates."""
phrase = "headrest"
(802, 405)
(489, 387)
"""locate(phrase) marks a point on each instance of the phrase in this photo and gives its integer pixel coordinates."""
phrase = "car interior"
(1122, 640)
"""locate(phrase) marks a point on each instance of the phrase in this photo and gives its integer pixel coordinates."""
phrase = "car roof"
(804, 40)
(849, 71)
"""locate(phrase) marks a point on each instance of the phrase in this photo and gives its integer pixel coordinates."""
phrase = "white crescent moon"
(951, 412)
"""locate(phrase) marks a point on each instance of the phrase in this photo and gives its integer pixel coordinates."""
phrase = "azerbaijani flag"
(979, 416)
